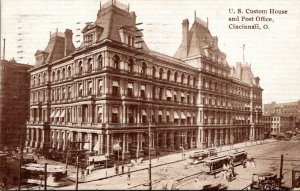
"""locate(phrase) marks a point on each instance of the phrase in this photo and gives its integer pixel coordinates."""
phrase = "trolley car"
(214, 165)
(238, 157)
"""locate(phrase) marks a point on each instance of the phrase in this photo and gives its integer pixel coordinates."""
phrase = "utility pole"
(280, 173)
(20, 163)
(45, 177)
(77, 151)
(150, 140)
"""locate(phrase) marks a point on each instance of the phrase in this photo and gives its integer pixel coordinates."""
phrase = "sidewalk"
(164, 160)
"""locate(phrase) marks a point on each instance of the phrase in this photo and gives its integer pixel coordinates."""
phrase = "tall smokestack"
(185, 30)
(69, 47)
(3, 49)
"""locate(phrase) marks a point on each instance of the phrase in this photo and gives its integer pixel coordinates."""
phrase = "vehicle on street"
(34, 174)
(213, 165)
(238, 157)
(97, 162)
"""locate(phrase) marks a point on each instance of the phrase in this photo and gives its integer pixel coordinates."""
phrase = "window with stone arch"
(100, 62)
(130, 65)
(161, 72)
(63, 74)
(175, 77)
(58, 75)
(44, 77)
(33, 81)
(53, 76)
(116, 62)
(144, 68)
(153, 71)
(188, 80)
(168, 75)
(39, 79)
(182, 78)
(69, 72)
(80, 68)
(90, 64)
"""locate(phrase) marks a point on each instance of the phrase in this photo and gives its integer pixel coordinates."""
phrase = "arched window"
(175, 77)
(188, 80)
(58, 75)
(39, 79)
(44, 78)
(161, 72)
(63, 75)
(130, 65)
(144, 68)
(33, 81)
(168, 75)
(80, 69)
(116, 62)
(153, 71)
(69, 72)
(182, 78)
(100, 62)
(90, 65)
(53, 76)
(194, 81)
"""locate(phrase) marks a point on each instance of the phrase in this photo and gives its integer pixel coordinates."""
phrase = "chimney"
(185, 30)
(68, 42)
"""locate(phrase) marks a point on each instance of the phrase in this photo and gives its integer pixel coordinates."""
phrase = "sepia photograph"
(149, 95)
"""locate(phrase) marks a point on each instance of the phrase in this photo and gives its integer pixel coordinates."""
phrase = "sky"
(273, 53)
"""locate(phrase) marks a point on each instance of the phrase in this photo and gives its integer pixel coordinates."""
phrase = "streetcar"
(34, 174)
(197, 156)
(214, 164)
(238, 157)
(97, 162)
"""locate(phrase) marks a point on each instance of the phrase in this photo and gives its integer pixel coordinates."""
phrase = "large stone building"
(14, 102)
(282, 124)
(288, 109)
(108, 90)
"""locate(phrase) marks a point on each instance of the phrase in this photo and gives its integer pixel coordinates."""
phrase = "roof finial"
(195, 14)
(207, 22)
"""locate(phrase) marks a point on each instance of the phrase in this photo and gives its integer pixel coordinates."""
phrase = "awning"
(62, 113)
(243, 118)
(169, 93)
(57, 113)
(183, 116)
(175, 93)
(90, 85)
(236, 117)
(115, 110)
(80, 86)
(130, 85)
(205, 117)
(115, 83)
(168, 113)
(188, 114)
(100, 82)
(143, 87)
(182, 94)
(69, 136)
(176, 116)
(159, 112)
(52, 114)
(144, 112)
(97, 146)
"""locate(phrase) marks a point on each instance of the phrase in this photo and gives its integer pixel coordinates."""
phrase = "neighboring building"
(108, 90)
(267, 123)
(282, 124)
(284, 109)
(14, 102)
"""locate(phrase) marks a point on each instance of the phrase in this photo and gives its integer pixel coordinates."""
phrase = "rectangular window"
(115, 88)
(143, 87)
(99, 115)
(100, 87)
(88, 39)
(130, 90)
(153, 92)
(80, 90)
(90, 86)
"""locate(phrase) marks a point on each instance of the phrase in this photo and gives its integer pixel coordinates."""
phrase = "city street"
(266, 156)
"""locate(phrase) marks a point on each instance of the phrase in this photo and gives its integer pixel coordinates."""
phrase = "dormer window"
(88, 39)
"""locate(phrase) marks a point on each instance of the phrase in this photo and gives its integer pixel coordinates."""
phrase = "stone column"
(221, 137)
(172, 140)
(138, 144)
(209, 138)
(192, 139)
(101, 144)
(124, 146)
(127, 143)
(32, 137)
(108, 144)
(90, 138)
(42, 138)
(37, 138)
(216, 141)
(165, 140)
(226, 136)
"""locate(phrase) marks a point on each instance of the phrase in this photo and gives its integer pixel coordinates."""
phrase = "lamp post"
(150, 140)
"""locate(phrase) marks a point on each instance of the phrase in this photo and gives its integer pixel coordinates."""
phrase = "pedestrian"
(128, 179)
(122, 169)
(117, 169)
(157, 155)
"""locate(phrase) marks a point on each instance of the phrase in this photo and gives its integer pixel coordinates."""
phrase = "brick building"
(108, 90)
(14, 102)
